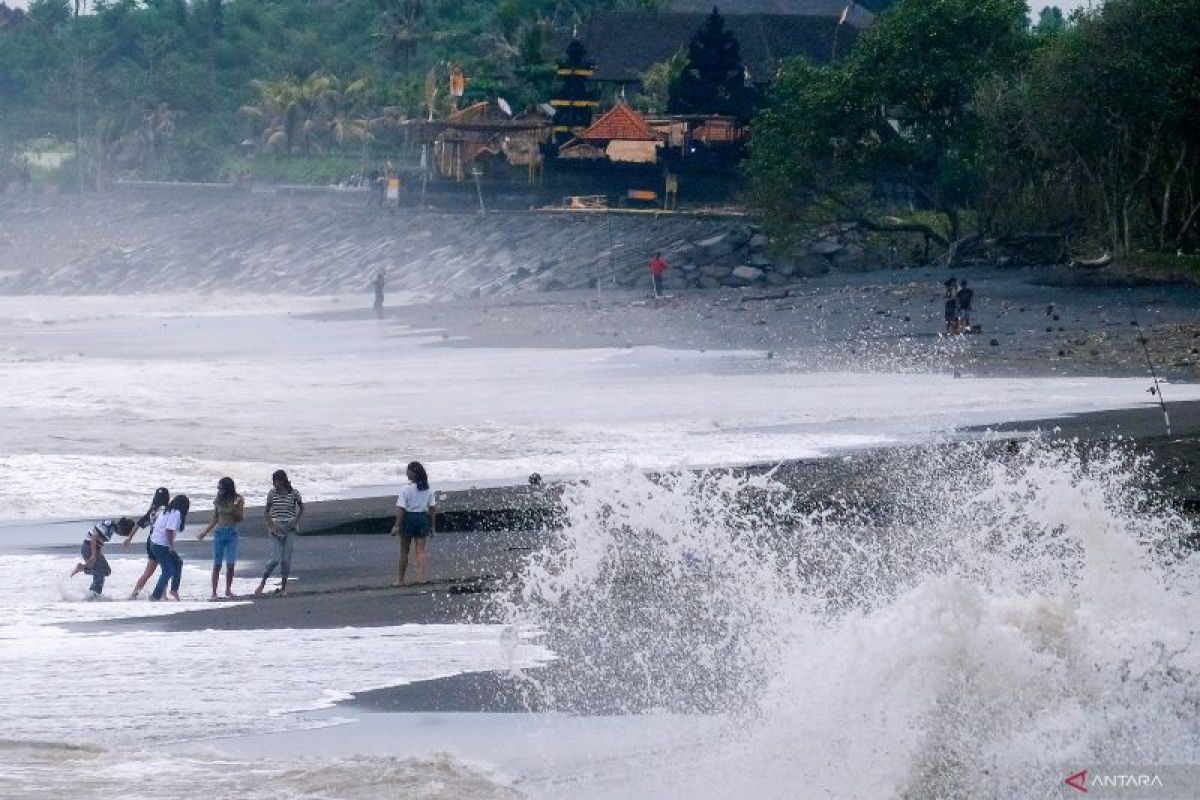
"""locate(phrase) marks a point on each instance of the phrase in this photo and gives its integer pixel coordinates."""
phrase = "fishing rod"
(1156, 389)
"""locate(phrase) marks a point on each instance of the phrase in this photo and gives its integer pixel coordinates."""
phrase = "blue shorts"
(225, 544)
(416, 525)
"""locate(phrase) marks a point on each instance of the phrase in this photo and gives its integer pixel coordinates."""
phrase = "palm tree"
(397, 29)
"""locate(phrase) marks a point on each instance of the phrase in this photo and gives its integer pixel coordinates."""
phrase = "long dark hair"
(226, 490)
(162, 496)
(418, 471)
(157, 503)
(281, 476)
(181, 504)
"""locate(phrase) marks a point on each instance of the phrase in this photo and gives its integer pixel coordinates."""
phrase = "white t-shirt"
(413, 499)
(168, 520)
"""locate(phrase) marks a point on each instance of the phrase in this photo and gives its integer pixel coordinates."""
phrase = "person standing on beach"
(283, 512)
(377, 284)
(415, 521)
(965, 296)
(158, 505)
(166, 530)
(228, 510)
(658, 266)
(951, 305)
(94, 563)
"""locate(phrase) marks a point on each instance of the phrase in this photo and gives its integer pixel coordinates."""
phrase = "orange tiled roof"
(621, 123)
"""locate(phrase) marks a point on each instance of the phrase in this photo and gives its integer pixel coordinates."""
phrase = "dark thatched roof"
(624, 44)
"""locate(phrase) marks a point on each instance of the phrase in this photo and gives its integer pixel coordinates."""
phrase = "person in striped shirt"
(94, 563)
(283, 511)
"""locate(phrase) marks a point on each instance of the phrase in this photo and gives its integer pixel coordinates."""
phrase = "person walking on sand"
(158, 505)
(283, 512)
(228, 510)
(163, 535)
(657, 267)
(377, 285)
(94, 563)
(415, 521)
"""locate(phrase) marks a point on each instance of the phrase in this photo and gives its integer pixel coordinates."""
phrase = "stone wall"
(314, 243)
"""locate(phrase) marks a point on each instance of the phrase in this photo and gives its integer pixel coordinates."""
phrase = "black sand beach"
(345, 565)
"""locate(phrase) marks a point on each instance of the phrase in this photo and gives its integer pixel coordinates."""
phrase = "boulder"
(804, 266)
(717, 271)
(709, 283)
(688, 267)
(716, 246)
(748, 273)
(759, 242)
(674, 282)
(738, 237)
(825, 247)
(759, 260)
(851, 259)
(775, 279)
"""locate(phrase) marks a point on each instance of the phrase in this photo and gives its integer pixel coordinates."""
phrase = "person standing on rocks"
(657, 267)
(377, 285)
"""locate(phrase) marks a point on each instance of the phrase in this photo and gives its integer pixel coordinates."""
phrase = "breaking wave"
(962, 620)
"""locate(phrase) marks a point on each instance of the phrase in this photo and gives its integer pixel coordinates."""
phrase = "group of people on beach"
(167, 517)
(282, 512)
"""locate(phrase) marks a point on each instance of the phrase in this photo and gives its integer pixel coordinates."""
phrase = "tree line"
(957, 121)
(165, 88)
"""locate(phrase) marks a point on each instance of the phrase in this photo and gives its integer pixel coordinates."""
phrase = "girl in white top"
(162, 546)
(415, 517)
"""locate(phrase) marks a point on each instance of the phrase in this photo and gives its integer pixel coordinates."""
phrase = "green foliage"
(134, 63)
(657, 81)
(1050, 21)
(898, 109)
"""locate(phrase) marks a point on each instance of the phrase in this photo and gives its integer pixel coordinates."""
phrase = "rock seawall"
(203, 239)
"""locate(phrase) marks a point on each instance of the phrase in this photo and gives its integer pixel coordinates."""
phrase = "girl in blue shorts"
(228, 510)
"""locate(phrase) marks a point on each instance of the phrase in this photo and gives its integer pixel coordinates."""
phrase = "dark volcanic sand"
(836, 322)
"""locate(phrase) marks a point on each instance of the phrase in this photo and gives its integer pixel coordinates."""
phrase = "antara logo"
(1079, 781)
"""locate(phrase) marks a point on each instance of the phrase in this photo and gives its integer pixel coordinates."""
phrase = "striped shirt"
(284, 507)
(103, 531)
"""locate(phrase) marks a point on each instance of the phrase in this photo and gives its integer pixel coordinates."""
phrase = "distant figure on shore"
(377, 285)
(951, 305)
(158, 506)
(657, 267)
(415, 521)
(965, 296)
(283, 511)
(166, 530)
(228, 510)
(94, 563)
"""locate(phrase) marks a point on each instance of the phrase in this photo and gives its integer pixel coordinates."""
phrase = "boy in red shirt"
(657, 267)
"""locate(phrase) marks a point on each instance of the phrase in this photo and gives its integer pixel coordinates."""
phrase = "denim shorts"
(415, 525)
(225, 546)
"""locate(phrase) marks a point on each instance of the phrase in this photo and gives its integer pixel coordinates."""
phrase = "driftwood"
(1091, 263)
